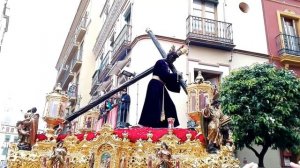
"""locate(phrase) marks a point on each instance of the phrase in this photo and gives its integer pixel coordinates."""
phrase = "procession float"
(206, 143)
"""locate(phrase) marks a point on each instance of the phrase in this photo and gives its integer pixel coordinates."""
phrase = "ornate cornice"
(290, 60)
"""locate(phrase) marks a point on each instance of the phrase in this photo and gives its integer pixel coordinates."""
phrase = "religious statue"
(23, 136)
(149, 162)
(199, 79)
(213, 134)
(92, 160)
(106, 163)
(27, 129)
(59, 130)
(164, 155)
(123, 161)
(158, 105)
(105, 160)
(88, 123)
(58, 156)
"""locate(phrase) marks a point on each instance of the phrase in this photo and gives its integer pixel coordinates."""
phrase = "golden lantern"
(55, 107)
(200, 94)
(89, 121)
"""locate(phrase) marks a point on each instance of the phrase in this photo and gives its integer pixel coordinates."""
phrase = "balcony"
(60, 74)
(121, 44)
(81, 29)
(288, 49)
(209, 33)
(76, 62)
(72, 50)
(105, 66)
(102, 72)
(95, 82)
(68, 77)
(72, 93)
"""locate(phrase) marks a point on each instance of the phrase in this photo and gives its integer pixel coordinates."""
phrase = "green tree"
(264, 104)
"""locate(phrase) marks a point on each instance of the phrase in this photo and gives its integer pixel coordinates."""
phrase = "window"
(289, 30)
(290, 33)
(16, 138)
(7, 129)
(127, 15)
(5, 151)
(7, 138)
(112, 39)
(213, 77)
(12, 130)
(204, 17)
(204, 9)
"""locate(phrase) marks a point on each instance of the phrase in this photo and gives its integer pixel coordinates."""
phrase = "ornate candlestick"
(171, 125)
(54, 112)
(149, 136)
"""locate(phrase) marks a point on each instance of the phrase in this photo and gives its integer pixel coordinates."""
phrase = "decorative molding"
(287, 59)
(283, 3)
(255, 54)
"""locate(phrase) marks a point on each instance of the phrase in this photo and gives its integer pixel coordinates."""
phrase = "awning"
(118, 66)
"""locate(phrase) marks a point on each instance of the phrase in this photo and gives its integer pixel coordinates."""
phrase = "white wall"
(248, 28)
(165, 17)
(168, 18)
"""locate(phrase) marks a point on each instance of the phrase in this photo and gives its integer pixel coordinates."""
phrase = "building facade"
(282, 20)
(108, 38)
(8, 134)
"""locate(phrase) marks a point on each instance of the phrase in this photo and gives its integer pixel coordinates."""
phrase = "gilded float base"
(115, 152)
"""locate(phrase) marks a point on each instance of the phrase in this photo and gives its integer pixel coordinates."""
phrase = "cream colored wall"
(88, 58)
(272, 157)
(239, 60)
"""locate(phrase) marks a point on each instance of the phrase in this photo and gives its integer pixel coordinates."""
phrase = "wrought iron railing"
(208, 29)
(288, 44)
(105, 61)
(78, 58)
(99, 73)
(72, 91)
(68, 74)
(124, 37)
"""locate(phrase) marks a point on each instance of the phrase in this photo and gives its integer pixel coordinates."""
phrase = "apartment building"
(8, 134)
(108, 38)
(282, 20)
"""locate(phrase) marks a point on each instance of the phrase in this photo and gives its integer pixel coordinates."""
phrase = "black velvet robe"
(151, 113)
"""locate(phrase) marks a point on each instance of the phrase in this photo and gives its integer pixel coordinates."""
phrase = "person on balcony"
(124, 109)
(158, 104)
(113, 113)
